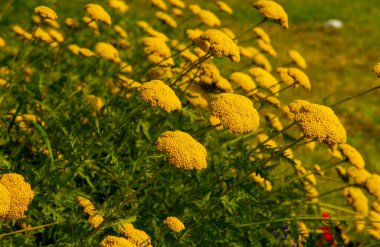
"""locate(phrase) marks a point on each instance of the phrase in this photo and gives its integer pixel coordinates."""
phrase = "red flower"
(325, 215)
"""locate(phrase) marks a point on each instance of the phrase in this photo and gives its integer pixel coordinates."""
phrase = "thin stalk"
(201, 131)
(250, 29)
(30, 229)
(336, 208)
(355, 96)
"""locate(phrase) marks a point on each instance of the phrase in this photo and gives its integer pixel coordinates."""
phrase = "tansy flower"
(90, 23)
(107, 51)
(21, 32)
(195, 94)
(259, 32)
(2, 42)
(95, 220)
(376, 69)
(57, 36)
(357, 199)
(266, 47)
(273, 11)
(158, 52)
(118, 5)
(208, 18)
(83, 202)
(177, 3)
(167, 19)
(265, 79)
(359, 176)
(248, 52)
(373, 186)
(174, 224)
(158, 94)
(215, 121)
(86, 52)
(244, 81)
(74, 49)
(262, 61)
(183, 150)
(96, 102)
(153, 33)
(317, 121)
(353, 156)
(295, 77)
(221, 45)
(159, 4)
(235, 112)
(42, 36)
(296, 57)
(224, 85)
(5, 201)
(45, 12)
(285, 77)
(113, 241)
(97, 13)
(177, 12)
(135, 236)
(274, 121)
(120, 31)
(224, 7)
(229, 33)
(20, 192)
(195, 8)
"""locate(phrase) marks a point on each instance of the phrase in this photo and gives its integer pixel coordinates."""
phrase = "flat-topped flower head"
(221, 45)
(297, 58)
(45, 12)
(174, 224)
(244, 81)
(208, 18)
(158, 94)
(183, 150)
(177, 3)
(5, 201)
(113, 241)
(95, 220)
(285, 77)
(160, 4)
(300, 78)
(107, 51)
(118, 5)
(235, 112)
(20, 192)
(83, 201)
(135, 236)
(97, 13)
(353, 156)
(158, 52)
(224, 7)
(273, 11)
(265, 79)
(318, 121)
(376, 69)
(259, 32)
(266, 47)
(167, 19)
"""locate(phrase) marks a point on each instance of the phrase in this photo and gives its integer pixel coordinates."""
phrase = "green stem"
(30, 229)
(355, 96)
(250, 29)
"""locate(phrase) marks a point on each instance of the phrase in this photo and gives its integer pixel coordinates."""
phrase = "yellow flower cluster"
(167, 19)
(295, 77)
(261, 181)
(353, 156)
(266, 47)
(221, 45)
(174, 224)
(376, 69)
(296, 57)
(273, 11)
(274, 121)
(309, 181)
(135, 236)
(259, 32)
(359, 202)
(97, 13)
(118, 5)
(235, 112)
(208, 18)
(318, 121)
(45, 12)
(158, 94)
(107, 51)
(177, 3)
(21, 32)
(14, 203)
(195, 94)
(113, 241)
(94, 219)
(373, 186)
(158, 52)
(183, 150)
(265, 79)
(159, 4)
(224, 7)
(244, 81)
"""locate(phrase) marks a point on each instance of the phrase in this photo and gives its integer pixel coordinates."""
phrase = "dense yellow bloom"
(174, 224)
(235, 112)
(183, 150)
(2, 42)
(195, 8)
(158, 52)
(97, 13)
(90, 23)
(118, 5)
(274, 121)
(83, 202)
(224, 85)
(319, 170)
(113, 241)
(261, 181)
(260, 60)
(302, 229)
(229, 33)
(96, 102)
(158, 94)
(95, 220)
(107, 51)
(244, 81)
(285, 77)
(353, 156)
(224, 7)
(167, 19)
(135, 236)
(159, 4)
(376, 69)
(86, 52)
(177, 3)
(318, 121)
(45, 12)
(221, 45)
(357, 199)
(296, 57)
(374, 216)
(5, 201)
(57, 36)
(90, 210)
(215, 121)
(265, 79)
(376, 205)
(120, 31)
(74, 49)
(266, 47)
(21, 32)
(208, 18)
(20, 192)
(273, 11)
(373, 186)
(261, 34)
(359, 176)
(195, 94)
(300, 78)
(42, 36)
(177, 12)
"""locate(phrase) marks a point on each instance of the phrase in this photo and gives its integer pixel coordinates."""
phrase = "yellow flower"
(71, 23)
(244, 81)
(107, 51)
(376, 204)
(195, 8)
(285, 77)
(302, 229)
(262, 61)
(318, 121)
(215, 121)
(360, 176)
(274, 121)
(357, 199)
(295, 77)
(177, 12)
(158, 52)
(21, 32)
(265, 79)
(45, 12)
(177, 3)
(353, 156)
(224, 85)
(261, 34)
(195, 94)
(97, 13)
(159, 4)
(95, 220)
(174, 224)
(96, 102)
(183, 150)
(235, 112)
(90, 23)
(83, 202)
(221, 45)
(167, 19)
(224, 7)
(373, 186)
(42, 36)
(229, 33)
(273, 11)
(57, 36)
(266, 47)
(74, 49)
(319, 170)
(113, 241)
(376, 69)
(375, 233)
(261, 181)
(118, 5)
(158, 94)
(135, 236)
(120, 31)
(20, 192)
(86, 52)
(5, 201)
(2, 42)
(296, 57)
(90, 210)
(208, 18)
